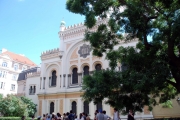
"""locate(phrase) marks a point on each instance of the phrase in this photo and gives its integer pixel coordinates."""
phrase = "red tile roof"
(19, 58)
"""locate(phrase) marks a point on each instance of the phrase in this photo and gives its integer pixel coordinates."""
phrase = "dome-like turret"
(63, 23)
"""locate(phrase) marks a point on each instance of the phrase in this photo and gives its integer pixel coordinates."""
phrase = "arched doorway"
(74, 107)
(51, 107)
(99, 106)
(86, 107)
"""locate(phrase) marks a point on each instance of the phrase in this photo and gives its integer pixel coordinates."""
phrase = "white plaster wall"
(21, 87)
(33, 81)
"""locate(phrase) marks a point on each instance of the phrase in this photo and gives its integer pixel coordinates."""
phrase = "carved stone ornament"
(84, 50)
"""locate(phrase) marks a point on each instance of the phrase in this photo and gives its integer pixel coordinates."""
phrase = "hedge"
(14, 118)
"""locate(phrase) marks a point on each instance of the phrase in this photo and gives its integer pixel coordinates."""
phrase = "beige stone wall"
(160, 112)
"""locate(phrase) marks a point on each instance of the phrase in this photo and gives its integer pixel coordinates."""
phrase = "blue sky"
(30, 27)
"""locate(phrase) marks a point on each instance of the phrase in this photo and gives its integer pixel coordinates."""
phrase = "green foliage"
(15, 106)
(14, 118)
(31, 107)
(12, 106)
(149, 69)
(167, 104)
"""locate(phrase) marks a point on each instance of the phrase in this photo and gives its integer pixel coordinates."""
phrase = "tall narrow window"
(86, 107)
(51, 107)
(0, 73)
(1, 85)
(31, 89)
(53, 82)
(74, 76)
(74, 107)
(4, 73)
(98, 67)
(12, 87)
(86, 70)
(16, 67)
(34, 89)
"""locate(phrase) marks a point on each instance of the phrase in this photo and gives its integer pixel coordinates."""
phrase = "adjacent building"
(11, 64)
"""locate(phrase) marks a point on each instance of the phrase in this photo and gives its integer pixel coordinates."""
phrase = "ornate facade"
(59, 83)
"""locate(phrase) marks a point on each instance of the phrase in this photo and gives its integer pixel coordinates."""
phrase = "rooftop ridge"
(33, 74)
(47, 52)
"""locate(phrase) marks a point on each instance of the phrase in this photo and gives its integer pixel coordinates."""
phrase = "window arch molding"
(95, 63)
(50, 68)
(72, 67)
(83, 65)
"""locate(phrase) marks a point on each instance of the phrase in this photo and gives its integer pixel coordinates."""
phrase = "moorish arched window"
(53, 81)
(86, 107)
(98, 67)
(74, 107)
(74, 76)
(86, 70)
(51, 107)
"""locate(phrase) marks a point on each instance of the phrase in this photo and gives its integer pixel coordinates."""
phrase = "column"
(49, 81)
(79, 79)
(47, 106)
(40, 81)
(44, 82)
(60, 81)
(69, 80)
(64, 80)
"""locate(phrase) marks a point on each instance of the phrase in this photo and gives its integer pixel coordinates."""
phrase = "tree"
(12, 106)
(153, 67)
(17, 106)
(31, 107)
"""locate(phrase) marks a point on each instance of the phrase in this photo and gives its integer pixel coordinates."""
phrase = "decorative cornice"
(79, 29)
(51, 53)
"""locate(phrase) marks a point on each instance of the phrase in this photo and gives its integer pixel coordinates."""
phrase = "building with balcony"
(57, 86)
(11, 64)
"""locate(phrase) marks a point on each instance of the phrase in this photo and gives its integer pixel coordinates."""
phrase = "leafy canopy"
(17, 106)
(151, 68)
